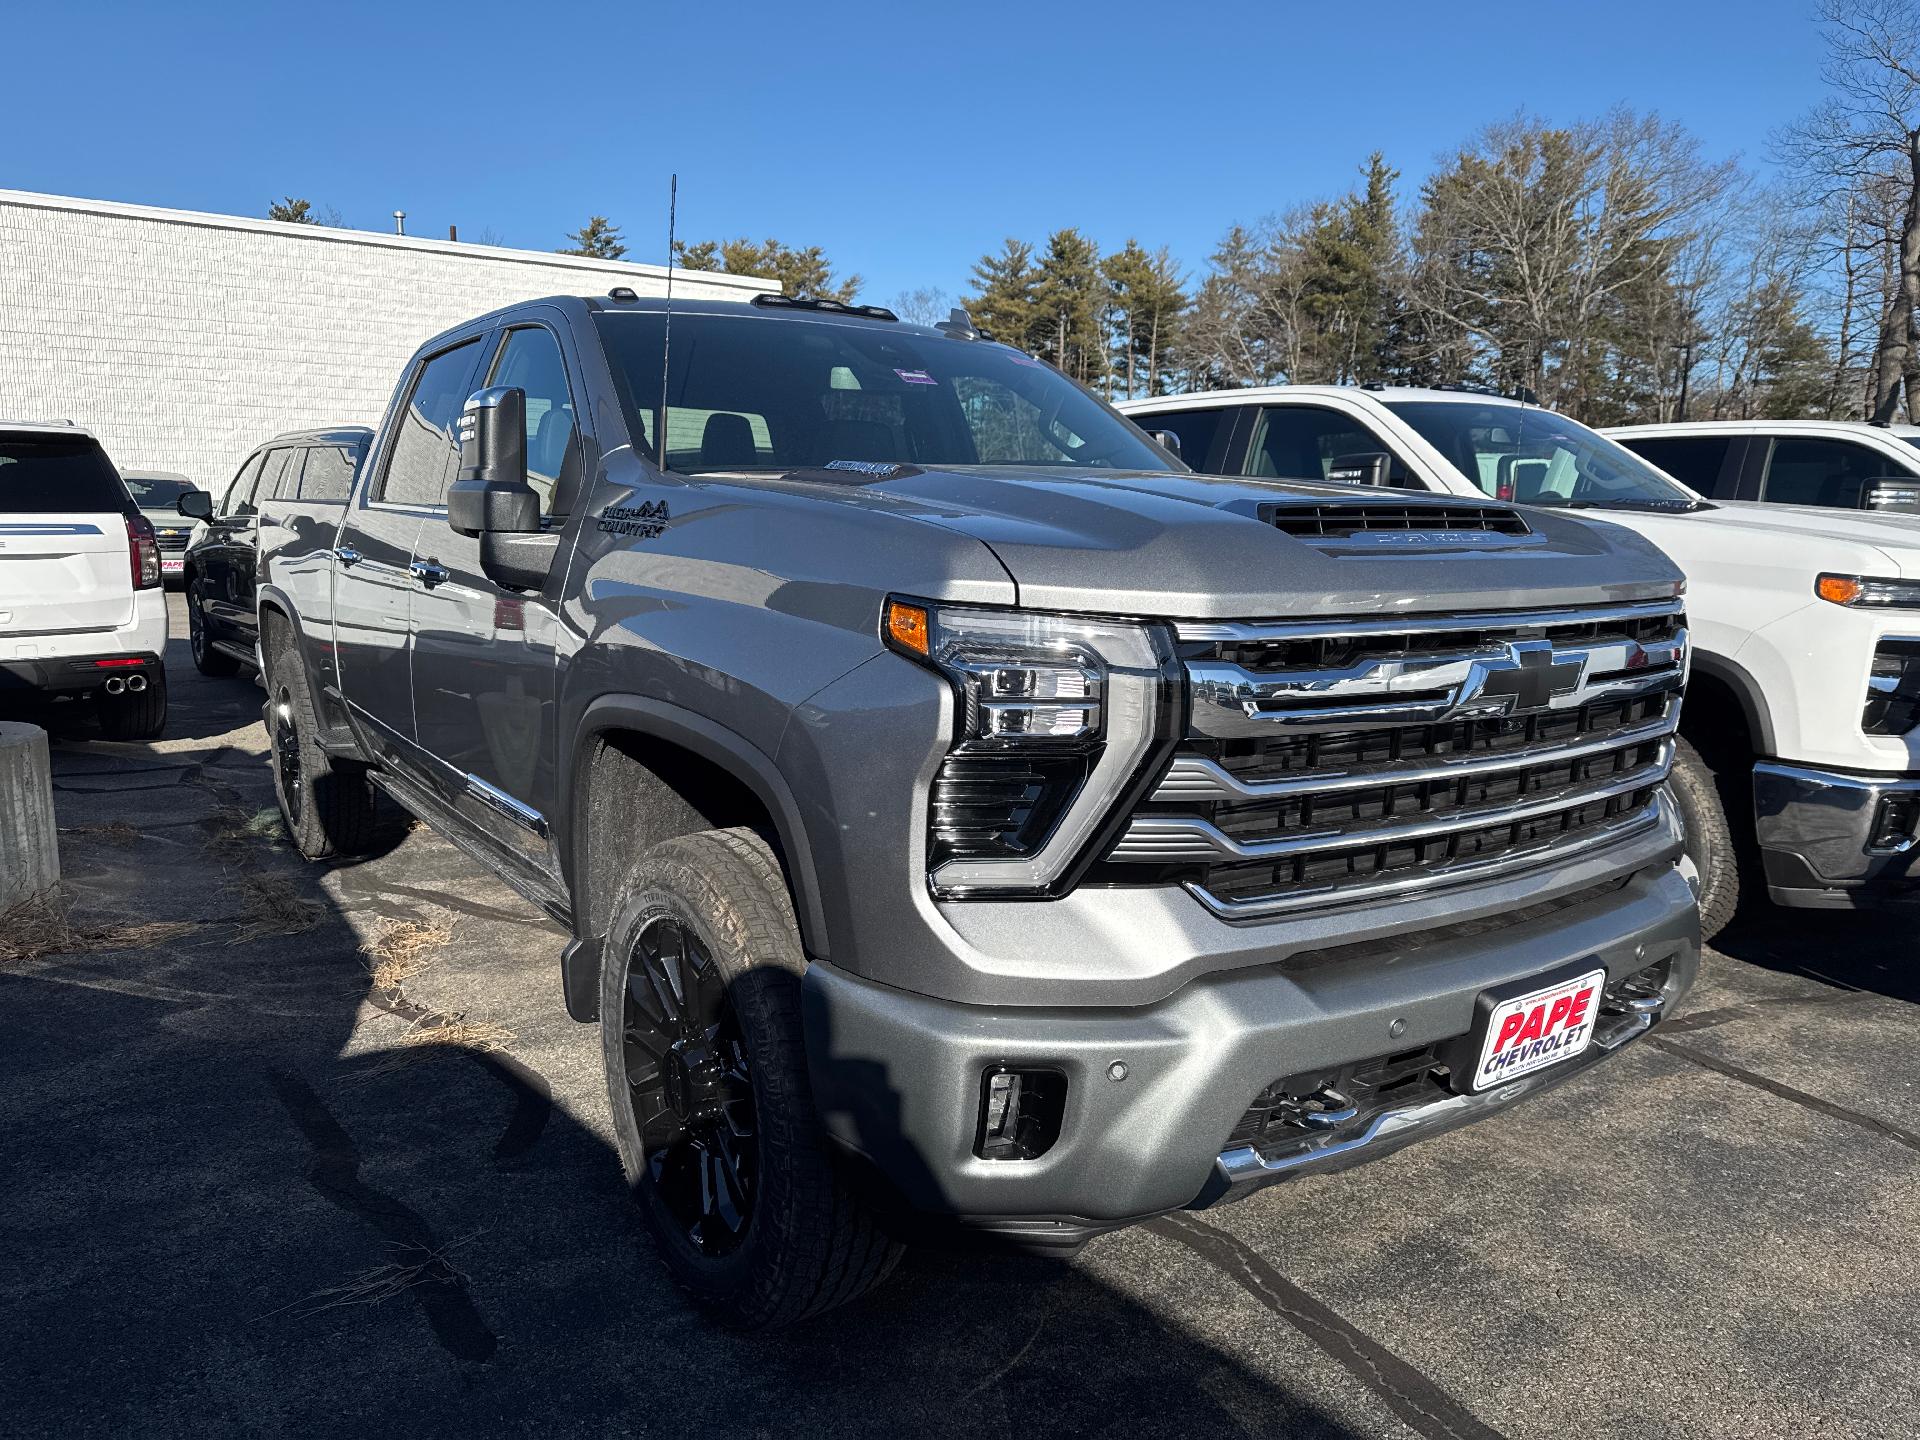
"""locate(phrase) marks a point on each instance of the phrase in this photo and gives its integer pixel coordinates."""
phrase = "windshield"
(156, 494)
(57, 474)
(786, 393)
(1535, 457)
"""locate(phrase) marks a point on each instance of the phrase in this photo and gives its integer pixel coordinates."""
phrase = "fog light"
(1893, 824)
(1020, 1113)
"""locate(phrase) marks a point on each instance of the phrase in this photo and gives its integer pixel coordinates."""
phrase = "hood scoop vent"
(1401, 525)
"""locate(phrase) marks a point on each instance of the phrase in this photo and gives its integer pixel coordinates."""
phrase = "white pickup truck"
(1799, 769)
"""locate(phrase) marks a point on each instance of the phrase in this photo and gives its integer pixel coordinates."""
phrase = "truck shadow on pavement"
(1854, 951)
(264, 1177)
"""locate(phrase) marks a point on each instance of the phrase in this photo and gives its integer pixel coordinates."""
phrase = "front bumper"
(1154, 1093)
(1824, 836)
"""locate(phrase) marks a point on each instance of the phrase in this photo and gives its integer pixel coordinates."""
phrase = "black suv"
(289, 493)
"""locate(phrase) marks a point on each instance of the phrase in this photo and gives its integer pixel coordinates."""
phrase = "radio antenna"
(666, 339)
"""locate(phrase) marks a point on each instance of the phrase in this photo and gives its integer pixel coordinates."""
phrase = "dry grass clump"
(412, 1266)
(270, 905)
(44, 925)
(402, 949)
(433, 1035)
(114, 832)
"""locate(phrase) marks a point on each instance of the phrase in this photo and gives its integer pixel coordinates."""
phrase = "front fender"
(733, 753)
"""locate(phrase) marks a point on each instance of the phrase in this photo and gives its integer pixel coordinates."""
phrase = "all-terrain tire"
(329, 805)
(809, 1243)
(1710, 842)
(134, 715)
(206, 659)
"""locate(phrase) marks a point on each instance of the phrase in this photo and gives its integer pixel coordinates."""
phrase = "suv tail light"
(143, 552)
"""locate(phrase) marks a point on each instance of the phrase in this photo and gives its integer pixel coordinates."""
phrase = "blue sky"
(904, 138)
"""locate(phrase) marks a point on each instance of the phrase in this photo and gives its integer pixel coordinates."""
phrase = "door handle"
(347, 556)
(429, 573)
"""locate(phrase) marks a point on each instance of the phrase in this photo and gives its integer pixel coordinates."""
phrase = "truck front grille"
(1330, 761)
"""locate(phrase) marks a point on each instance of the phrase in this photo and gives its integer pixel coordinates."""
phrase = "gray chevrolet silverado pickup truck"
(961, 810)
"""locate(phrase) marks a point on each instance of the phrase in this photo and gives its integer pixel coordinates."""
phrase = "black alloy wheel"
(691, 1087)
(287, 758)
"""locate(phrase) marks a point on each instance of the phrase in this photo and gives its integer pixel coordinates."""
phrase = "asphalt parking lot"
(297, 1151)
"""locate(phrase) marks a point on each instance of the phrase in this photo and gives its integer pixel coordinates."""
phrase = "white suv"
(1832, 464)
(82, 614)
(1799, 767)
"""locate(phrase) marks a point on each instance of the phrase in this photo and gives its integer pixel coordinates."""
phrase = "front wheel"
(206, 659)
(1709, 839)
(707, 1074)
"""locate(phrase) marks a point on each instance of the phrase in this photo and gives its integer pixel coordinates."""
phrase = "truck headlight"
(1061, 721)
(1863, 592)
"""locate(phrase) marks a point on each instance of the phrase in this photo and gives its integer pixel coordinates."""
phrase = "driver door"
(485, 659)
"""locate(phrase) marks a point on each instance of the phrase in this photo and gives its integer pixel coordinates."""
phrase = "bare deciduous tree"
(1863, 144)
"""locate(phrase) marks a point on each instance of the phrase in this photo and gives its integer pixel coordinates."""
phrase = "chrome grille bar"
(1236, 632)
(1195, 777)
(1453, 872)
(1231, 701)
(1157, 838)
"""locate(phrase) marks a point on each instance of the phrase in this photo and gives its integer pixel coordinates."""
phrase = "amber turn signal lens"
(907, 626)
(1840, 589)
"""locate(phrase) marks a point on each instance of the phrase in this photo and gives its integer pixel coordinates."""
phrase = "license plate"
(172, 567)
(1541, 1028)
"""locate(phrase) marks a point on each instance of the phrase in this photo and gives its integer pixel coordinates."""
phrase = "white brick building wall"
(184, 339)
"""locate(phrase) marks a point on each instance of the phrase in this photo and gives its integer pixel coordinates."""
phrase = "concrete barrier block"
(29, 842)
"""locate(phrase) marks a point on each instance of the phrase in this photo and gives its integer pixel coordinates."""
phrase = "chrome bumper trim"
(1244, 1165)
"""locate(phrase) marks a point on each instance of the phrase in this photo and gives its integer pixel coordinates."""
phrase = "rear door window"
(1696, 461)
(425, 450)
(58, 474)
(1830, 473)
(328, 474)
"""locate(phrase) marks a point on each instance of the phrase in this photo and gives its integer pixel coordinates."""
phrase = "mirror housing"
(1897, 493)
(1368, 467)
(490, 495)
(195, 505)
(1167, 441)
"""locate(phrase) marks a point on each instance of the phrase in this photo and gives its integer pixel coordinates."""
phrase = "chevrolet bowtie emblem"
(1529, 675)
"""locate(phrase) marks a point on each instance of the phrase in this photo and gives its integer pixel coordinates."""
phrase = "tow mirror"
(1167, 441)
(491, 496)
(1900, 494)
(195, 505)
(1370, 467)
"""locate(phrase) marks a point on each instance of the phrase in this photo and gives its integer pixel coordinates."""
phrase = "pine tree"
(1147, 299)
(1002, 302)
(1069, 302)
(597, 239)
(293, 212)
(799, 272)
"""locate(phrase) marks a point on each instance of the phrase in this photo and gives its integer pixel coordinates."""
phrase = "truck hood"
(1200, 546)
(1842, 540)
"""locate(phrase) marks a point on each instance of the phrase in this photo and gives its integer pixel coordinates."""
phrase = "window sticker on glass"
(916, 377)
